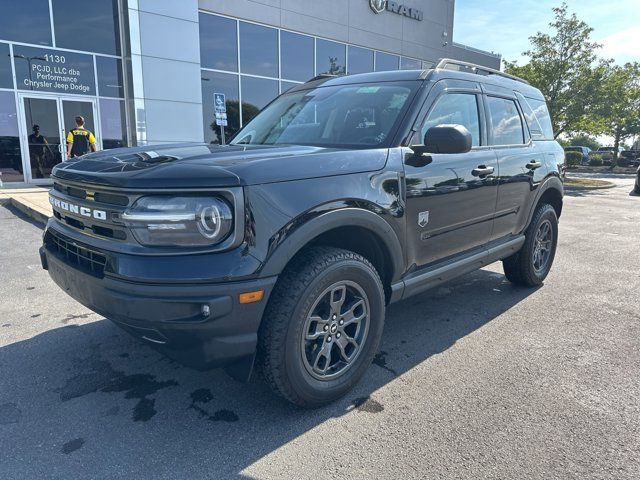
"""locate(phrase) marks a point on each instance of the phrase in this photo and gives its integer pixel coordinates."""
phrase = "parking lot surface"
(475, 379)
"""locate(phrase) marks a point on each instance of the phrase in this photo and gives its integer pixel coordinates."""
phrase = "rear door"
(451, 200)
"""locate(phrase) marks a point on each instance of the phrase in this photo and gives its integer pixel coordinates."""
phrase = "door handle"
(532, 165)
(482, 171)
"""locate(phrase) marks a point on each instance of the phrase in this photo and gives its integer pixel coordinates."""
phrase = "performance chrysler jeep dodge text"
(283, 248)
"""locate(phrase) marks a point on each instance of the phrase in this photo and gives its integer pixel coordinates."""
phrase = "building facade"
(144, 72)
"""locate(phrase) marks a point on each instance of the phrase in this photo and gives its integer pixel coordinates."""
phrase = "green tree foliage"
(573, 159)
(619, 113)
(562, 64)
(584, 141)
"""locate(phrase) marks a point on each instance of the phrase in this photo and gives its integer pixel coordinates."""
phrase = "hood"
(203, 166)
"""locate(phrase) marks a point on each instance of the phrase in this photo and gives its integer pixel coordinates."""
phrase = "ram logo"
(378, 6)
(77, 209)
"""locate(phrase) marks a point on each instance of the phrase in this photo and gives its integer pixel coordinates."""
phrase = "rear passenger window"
(455, 109)
(505, 121)
(541, 112)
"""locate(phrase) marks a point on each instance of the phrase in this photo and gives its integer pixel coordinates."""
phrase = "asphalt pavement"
(475, 379)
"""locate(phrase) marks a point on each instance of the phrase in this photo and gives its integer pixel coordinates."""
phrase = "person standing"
(38, 149)
(80, 140)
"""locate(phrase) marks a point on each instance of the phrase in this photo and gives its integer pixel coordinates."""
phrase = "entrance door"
(46, 120)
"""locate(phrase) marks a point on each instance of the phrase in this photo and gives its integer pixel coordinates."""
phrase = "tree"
(584, 141)
(562, 65)
(619, 114)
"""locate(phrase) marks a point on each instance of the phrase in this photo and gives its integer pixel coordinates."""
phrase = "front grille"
(78, 256)
(101, 197)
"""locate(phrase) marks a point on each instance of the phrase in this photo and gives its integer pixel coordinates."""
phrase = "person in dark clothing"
(80, 140)
(39, 149)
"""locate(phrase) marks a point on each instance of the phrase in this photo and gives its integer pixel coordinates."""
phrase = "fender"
(329, 220)
(551, 182)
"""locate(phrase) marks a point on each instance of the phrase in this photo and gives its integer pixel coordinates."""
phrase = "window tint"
(407, 63)
(360, 60)
(110, 81)
(91, 25)
(10, 157)
(26, 21)
(330, 57)
(218, 43)
(213, 82)
(6, 79)
(505, 121)
(342, 115)
(256, 94)
(296, 56)
(455, 109)
(386, 61)
(258, 50)
(541, 114)
(112, 120)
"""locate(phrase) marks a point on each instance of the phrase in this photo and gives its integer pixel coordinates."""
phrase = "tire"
(525, 267)
(294, 348)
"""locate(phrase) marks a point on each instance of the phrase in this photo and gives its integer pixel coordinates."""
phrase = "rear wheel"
(322, 326)
(531, 265)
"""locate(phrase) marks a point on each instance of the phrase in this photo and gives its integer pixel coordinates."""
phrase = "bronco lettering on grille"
(77, 209)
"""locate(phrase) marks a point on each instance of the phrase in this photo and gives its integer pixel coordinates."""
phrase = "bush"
(573, 159)
(595, 160)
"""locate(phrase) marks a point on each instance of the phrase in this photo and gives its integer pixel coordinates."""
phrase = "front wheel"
(322, 326)
(530, 266)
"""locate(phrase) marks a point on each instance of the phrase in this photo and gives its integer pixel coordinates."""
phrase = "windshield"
(357, 116)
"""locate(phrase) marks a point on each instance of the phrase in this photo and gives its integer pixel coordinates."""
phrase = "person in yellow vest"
(80, 140)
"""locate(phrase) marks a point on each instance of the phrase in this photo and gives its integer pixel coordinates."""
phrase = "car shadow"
(88, 391)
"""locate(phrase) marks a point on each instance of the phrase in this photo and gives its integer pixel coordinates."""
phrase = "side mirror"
(445, 139)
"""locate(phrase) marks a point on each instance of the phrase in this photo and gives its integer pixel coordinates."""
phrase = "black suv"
(342, 196)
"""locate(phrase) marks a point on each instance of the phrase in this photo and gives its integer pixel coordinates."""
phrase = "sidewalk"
(33, 201)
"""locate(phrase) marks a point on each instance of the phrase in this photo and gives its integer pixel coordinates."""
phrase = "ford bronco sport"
(282, 249)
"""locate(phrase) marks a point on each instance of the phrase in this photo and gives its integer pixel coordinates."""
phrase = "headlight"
(179, 221)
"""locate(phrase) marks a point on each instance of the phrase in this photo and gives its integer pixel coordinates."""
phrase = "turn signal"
(251, 297)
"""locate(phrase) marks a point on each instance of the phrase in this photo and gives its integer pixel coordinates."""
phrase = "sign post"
(220, 105)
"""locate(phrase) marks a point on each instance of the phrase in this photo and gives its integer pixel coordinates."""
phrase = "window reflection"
(213, 82)
(330, 57)
(10, 157)
(112, 120)
(26, 21)
(386, 61)
(90, 26)
(6, 80)
(258, 50)
(218, 43)
(505, 121)
(110, 80)
(455, 109)
(360, 60)
(285, 86)
(256, 94)
(297, 56)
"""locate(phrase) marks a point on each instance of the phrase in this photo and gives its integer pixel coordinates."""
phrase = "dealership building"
(144, 72)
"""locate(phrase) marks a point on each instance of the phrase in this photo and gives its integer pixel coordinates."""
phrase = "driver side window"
(455, 109)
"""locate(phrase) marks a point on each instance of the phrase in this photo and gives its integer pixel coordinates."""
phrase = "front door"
(45, 122)
(451, 201)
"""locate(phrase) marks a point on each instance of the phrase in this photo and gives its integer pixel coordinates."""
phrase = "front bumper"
(201, 325)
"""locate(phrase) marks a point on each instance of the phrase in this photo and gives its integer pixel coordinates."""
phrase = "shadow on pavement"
(87, 401)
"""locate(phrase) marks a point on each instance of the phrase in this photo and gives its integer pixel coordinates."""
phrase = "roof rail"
(321, 76)
(446, 63)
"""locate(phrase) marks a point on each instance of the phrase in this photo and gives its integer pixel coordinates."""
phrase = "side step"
(433, 276)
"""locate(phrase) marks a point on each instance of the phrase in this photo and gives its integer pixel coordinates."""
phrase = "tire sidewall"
(548, 213)
(316, 391)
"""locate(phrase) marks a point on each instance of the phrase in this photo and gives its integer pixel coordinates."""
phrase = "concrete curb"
(31, 211)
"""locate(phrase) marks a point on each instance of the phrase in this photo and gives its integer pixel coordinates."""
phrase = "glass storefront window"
(10, 156)
(218, 43)
(258, 50)
(407, 63)
(112, 120)
(426, 65)
(256, 94)
(90, 25)
(284, 86)
(330, 57)
(214, 82)
(6, 79)
(26, 21)
(386, 61)
(360, 60)
(296, 52)
(110, 80)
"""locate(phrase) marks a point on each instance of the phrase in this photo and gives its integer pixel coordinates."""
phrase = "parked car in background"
(632, 156)
(606, 153)
(584, 151)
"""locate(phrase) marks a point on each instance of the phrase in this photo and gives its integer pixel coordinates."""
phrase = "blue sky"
(504, 26)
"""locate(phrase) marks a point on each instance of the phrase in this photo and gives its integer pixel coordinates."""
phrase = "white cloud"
(623, 46)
